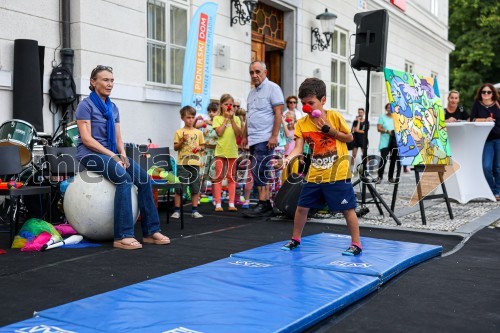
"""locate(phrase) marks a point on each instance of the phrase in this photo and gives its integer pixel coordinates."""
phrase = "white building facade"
(144, 42)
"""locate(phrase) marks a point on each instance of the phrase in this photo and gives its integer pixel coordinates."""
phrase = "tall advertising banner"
(198, 59)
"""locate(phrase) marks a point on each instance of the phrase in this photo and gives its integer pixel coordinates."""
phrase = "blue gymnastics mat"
(260, 290)
(228, 295)
(380, 257)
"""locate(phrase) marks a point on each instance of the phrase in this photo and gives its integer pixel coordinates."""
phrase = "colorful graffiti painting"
(418, 118)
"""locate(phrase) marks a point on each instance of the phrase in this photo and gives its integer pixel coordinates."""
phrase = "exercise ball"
(89, 205)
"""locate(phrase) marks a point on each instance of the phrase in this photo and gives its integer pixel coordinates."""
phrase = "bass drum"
(68, 138)
(21, 134)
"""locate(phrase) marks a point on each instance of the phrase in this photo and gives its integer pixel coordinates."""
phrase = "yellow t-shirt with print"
(329, 156)
(185, 154)
(226, 144)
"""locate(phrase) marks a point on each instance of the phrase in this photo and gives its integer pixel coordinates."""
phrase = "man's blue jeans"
(261, 155)
(124, 179)
(491, 164)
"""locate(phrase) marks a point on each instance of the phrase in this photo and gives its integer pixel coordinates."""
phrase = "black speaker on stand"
(371, 40)
(370, 52)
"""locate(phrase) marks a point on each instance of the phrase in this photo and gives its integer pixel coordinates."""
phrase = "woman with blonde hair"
(455, 111)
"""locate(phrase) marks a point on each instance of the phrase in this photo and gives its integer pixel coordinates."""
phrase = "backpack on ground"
(62, 87)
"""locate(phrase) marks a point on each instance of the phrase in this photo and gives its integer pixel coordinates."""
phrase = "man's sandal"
(127, 244)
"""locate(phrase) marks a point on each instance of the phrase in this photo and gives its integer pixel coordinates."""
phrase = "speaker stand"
(364, 179)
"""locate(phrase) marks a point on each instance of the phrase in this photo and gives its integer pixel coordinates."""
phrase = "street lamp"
(241, 16)
(327, 21)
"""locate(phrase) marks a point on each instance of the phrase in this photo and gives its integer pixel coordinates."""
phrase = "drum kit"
(22, 134)
(30, 143)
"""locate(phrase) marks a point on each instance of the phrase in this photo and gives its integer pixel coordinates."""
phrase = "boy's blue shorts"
(339, 195)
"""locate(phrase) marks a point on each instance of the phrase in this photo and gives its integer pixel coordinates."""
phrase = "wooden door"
(273, 64)
(258, 51)
(267, 39)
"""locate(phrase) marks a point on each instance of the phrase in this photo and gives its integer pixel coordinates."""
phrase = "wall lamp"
(327, 21)
(241, 16)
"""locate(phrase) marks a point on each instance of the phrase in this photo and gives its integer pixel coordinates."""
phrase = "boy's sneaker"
(352, 250)
(175, 215)
(246, 204)
(292, 244)
(196, 215)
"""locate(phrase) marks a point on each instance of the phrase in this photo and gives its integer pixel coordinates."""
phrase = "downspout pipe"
(67, 53)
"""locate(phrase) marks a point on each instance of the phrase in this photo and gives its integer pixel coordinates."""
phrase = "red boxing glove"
(306, 108)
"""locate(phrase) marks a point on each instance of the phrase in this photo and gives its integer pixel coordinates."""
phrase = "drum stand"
(64, 123)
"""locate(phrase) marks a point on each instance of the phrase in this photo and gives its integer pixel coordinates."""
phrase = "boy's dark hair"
(187, 110)
(312, 87)
(213, 106)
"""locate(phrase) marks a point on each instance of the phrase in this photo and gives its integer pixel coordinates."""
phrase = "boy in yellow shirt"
(189, 143)
(329, 178)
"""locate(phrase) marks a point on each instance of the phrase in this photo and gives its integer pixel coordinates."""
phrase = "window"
(408, 66)
(167, 36)
(435, 7)
(338, 89)
(377, 94)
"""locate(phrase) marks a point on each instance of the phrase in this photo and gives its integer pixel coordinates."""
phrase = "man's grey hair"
(260, 62)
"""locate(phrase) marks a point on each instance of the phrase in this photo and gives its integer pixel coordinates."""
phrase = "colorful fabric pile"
(34, 234)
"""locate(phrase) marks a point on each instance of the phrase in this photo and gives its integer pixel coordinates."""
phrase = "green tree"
(474, 27)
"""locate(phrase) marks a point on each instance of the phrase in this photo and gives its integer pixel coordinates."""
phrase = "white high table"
(466, 144)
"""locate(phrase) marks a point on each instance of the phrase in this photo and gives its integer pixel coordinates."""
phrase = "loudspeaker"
(27, 93)
(371, 40)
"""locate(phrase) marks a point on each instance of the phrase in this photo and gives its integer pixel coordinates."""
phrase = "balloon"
(316, 113)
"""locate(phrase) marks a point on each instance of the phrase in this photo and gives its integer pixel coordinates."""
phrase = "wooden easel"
(440, 170)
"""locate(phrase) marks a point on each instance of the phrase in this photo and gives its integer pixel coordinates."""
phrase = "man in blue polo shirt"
(264, 116)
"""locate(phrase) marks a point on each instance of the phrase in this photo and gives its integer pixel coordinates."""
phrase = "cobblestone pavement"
(480, 211)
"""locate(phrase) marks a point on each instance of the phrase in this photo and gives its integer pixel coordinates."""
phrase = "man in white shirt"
(264, 116)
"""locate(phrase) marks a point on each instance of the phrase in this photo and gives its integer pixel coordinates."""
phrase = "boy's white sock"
(218, 205)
